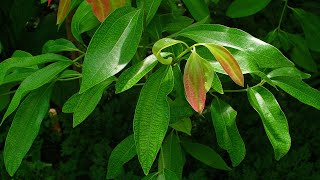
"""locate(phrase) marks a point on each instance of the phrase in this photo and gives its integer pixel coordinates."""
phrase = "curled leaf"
(227, 61)
(194, 82)
(63, 10)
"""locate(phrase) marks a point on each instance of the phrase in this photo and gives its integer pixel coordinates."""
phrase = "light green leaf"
(83, 20)
(242, 8)
(167, 175)
(299, 90)
(250, 48)
(133, 74)
(228, 136)
(34, 81)
(152, 116)
(288, 71)
(208, 74)
(58, 45)
(216, 84)
(274, 120)
(120, 155)
(198, 9)
(310, 25)
(25, 127)
(112, 46)
(183, 125)
(206, 155)
(171, 156)
(18, 62)
(163, 44)
(150, 8)
(82, 105)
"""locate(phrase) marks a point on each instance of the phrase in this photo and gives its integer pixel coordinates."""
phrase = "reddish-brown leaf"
(194, 82)
(100, 8)
(227, 61)
(62, 10)
(49, 2)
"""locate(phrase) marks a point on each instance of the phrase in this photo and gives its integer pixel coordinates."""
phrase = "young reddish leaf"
(194, 82)
(227, 61)
(62, 10)
(100, 8)
(49, 2)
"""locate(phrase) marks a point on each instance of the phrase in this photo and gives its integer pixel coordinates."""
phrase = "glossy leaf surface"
(194, 82)
(242, 8)
(289, 72)
(25, 127)
(112, 46)
(228, 136)
(120, 155)
(152, 116)
(274, 120)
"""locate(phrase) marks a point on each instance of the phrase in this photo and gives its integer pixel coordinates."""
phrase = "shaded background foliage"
(61, 152)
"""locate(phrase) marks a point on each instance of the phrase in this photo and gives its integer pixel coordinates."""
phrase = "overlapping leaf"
(242, 8)
(150, 6)
(198, 9)
(63, 10)
(58, 45)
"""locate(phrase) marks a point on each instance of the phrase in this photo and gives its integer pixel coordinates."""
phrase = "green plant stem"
(282, 14)
(243, 90)
(70, 79)
(78, 58)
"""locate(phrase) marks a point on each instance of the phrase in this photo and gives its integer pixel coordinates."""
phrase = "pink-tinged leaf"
(194, 82)
(49, 2)
(100, 8)
(227, 61)
(63, 10)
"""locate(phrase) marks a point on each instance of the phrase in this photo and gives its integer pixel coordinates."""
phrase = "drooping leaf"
(198, 9)
(34, 81)
(18, 62)
(216, 84)
(180, 109)
(120, 155)
(132, 75)
(167, 174)
(310, 25)
(151, 176)
(274, 120)
(83, 20)
(242, 8)
(5, 96)
(150, 7)
(58, 45)
(152, 116)
(183, 125)
(163, 44)
(63, 10)
(206, 155)
(171, 156)
(18, 75)
(25, 127)
(100, 8)
(194, 82)
(299, 89)
(289, 72)
(19, 53)
(82, 105)
(208, 74)
(248, 47)
(228, 136)
(178, 82)
(112, 46)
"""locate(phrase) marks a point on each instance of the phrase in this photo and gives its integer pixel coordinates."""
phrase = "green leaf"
(216, 84)
(120, 155)
(18, 75)
(17, 62)
(180, 109)
(152, 176)
(194, 82)
(208, 74)
(171, 156)
(34, 81)
(184, 125)
(152, 116)
(299, 89)
(5, 96)
(300, 53)
(288, 71)
(206, 155)
(150, 7)
(310, 25)
(167, 175)
(163, 44)
(112, 46)
(173, 23)
(82, 105)
(198, 9)
(178, 82)
(133, 74)
(274, 120)
(249, 48)
(227, 61)
(25, 127)
(228, 136)
(58, 45)
(242, 8)
(83, 20)
(63, 10)
(19, 53)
